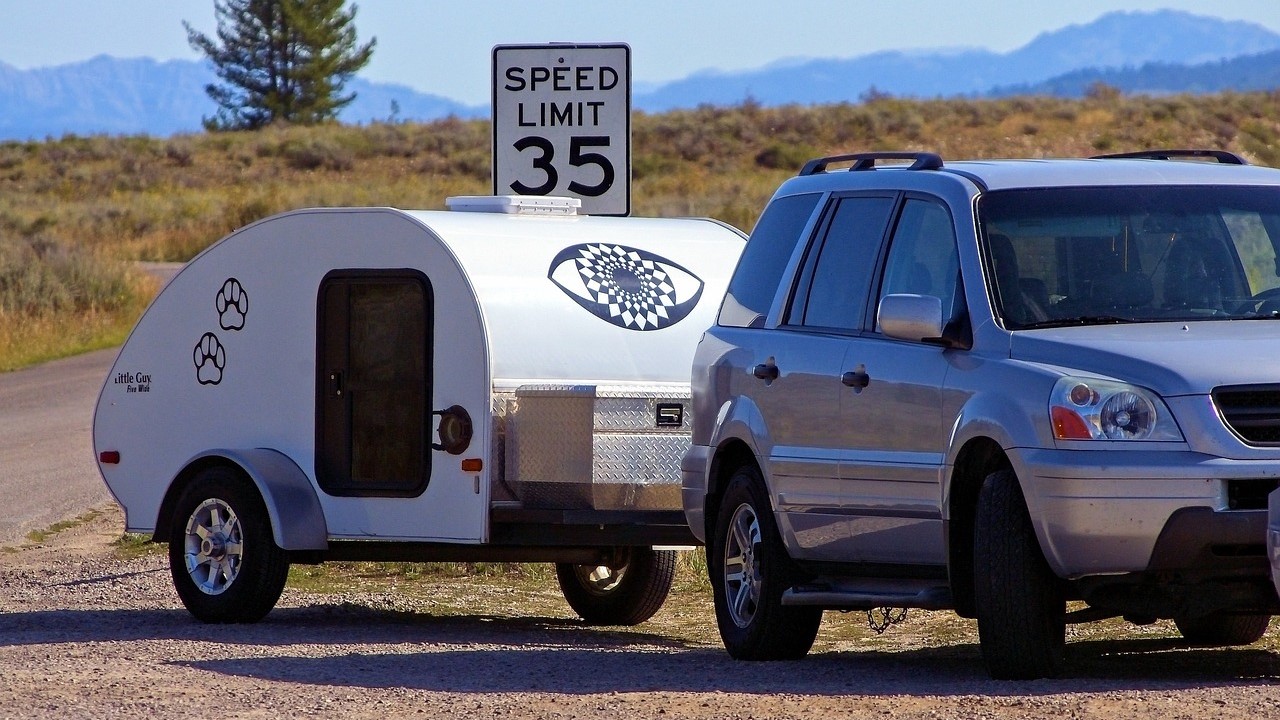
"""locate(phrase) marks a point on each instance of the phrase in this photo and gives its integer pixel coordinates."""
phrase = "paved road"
(47, 468)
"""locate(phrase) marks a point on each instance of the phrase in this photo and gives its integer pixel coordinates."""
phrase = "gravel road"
(83, 633)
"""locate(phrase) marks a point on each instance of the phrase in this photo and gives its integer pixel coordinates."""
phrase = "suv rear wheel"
(1221, 629)
(1021, 607)
(749, 570)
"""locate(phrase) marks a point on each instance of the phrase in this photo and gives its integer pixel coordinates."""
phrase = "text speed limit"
(562, 123)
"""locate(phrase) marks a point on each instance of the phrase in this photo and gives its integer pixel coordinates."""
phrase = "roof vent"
(515, 204)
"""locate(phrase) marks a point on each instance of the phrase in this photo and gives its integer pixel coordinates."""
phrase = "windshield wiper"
(1081, 320)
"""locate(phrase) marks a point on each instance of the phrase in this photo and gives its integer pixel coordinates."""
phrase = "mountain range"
(1142, 52)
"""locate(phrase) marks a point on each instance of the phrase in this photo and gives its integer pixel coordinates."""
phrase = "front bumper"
(1099, 512)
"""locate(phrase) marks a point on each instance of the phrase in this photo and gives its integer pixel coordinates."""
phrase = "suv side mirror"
(911, 317)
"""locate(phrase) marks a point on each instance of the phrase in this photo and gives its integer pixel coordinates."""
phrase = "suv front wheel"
(749, 570)
(1020, 603)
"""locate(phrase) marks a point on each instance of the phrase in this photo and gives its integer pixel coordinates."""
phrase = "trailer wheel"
(225, 564)
(1220, 629)
(627, 592)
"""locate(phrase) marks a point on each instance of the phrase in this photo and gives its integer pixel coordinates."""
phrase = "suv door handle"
(766, 371)
(856, 379)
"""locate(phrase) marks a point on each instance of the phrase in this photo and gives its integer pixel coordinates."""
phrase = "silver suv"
(996, 386)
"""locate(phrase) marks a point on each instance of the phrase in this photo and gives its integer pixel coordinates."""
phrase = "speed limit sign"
(562, 123)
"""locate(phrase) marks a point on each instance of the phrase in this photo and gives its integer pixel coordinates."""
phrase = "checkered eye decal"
(630, 288)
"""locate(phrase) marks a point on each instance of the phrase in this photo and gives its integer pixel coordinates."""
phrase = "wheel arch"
(730, 455)
(293, 508)
(977, 458)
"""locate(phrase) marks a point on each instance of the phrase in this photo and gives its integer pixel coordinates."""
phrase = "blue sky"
(444, 47)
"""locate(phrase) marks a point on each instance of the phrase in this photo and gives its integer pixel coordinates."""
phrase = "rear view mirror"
(910, 317)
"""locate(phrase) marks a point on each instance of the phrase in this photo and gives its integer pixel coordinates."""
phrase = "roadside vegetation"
(528, 593)
(75, 211)
(40, 536)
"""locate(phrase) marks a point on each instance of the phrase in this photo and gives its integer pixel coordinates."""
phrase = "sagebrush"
(70, 208)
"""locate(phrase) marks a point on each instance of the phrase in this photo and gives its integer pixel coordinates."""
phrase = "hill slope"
(1173, 52)
(1242, 74)
(1115, 40)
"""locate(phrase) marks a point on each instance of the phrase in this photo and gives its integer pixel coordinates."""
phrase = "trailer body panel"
(239, 351)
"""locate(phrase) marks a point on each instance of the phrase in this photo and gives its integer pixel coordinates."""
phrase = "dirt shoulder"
(84, 632)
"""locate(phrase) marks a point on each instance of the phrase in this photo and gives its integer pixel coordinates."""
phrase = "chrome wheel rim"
(214, 546)
(600, 579)
(741, 566)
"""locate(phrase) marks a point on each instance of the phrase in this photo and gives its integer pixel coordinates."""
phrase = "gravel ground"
(84, 633)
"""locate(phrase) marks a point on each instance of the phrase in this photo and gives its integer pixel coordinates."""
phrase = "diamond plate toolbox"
(603, 447)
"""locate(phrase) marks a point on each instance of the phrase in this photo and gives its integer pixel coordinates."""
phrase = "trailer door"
(374, 384)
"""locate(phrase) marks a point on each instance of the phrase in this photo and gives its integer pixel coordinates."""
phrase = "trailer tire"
(749, 570)
(224, 561)
(1221, 630)
(627, 592)
(1020, 603)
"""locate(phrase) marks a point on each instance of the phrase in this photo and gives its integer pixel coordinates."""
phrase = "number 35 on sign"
(562, 123)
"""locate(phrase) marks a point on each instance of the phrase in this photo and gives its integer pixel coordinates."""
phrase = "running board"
(875, 594)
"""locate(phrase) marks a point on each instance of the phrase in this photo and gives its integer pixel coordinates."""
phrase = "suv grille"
(1252, 411)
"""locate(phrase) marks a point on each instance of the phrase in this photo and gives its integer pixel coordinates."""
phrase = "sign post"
(562, 123)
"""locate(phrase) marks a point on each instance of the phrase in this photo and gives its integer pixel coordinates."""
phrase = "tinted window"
(755, 283)
(1072, 256)
(837, 294)
(922, 257)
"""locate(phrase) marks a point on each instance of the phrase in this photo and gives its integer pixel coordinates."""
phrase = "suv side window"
(922, 256)
(841, 275)
(755, 282)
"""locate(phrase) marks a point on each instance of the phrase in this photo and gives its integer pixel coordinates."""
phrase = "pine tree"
(280, 60)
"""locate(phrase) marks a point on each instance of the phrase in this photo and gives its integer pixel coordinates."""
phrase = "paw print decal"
(209, 358)
(232, 304)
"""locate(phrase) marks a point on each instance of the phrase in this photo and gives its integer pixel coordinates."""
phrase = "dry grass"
(510, 591)
(30, 339)
(100, 199)
(528, 592)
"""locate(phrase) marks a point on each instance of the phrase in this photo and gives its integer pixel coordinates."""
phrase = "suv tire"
(1021, 607)
(1220, 629)
(749, 570)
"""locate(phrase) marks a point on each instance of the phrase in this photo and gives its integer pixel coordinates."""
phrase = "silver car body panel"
(863, 476)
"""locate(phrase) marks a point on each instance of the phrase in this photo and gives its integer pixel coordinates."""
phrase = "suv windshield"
(1077, 256)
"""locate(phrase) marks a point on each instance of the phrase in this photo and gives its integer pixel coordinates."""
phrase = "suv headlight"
(1093, 409)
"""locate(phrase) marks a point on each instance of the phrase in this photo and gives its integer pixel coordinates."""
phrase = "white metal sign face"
(562, 123)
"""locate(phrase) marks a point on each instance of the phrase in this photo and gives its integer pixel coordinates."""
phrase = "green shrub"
(38, 277)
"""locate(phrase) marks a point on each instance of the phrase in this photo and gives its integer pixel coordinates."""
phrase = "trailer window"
(374, 401)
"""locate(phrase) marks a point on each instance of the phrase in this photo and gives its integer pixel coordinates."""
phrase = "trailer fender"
(297, 520)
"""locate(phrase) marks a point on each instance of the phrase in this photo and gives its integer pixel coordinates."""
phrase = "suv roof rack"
(1222, 156)
(867, 161)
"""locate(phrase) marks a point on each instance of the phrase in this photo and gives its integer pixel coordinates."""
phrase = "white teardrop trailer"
(506, 381)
